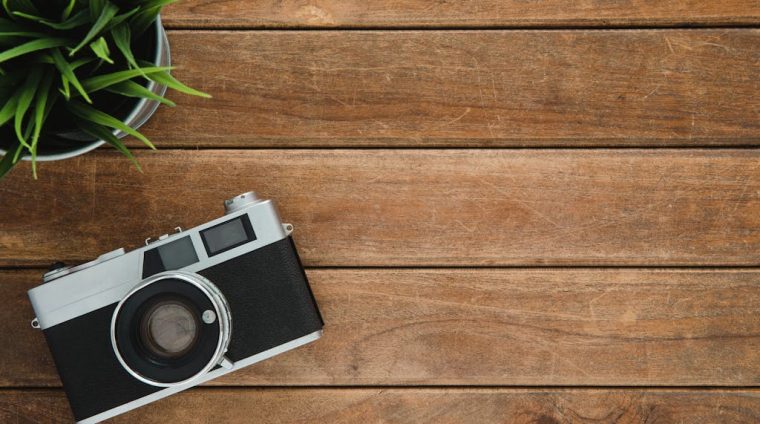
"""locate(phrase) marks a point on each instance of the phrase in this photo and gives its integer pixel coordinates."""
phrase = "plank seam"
(612, 147)
(438, 387)
(751, 23)
(701, 268)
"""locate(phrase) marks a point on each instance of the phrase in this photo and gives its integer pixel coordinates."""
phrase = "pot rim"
(143, 110)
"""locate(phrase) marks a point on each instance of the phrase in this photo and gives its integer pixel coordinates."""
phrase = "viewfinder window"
(228, 235)
(170, 256)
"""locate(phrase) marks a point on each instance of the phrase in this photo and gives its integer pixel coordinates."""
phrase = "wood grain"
(406, 207)
(471, 13)
(487, 327)
(464, 88)
(542, 406)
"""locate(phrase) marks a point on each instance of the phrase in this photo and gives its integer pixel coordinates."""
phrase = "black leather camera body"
(133, 327)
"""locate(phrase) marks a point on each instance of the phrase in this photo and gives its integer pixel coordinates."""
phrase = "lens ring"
(125, 317)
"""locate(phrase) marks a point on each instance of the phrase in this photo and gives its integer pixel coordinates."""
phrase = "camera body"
(133, 327)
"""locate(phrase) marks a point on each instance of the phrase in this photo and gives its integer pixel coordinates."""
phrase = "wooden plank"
(408, 207)
(473, 13)
(465, 88)
(487, 327)
(544, 406)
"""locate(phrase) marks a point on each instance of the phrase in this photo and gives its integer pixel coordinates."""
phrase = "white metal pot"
(138, 115)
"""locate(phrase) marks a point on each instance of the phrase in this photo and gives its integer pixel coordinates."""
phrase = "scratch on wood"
(493, 87)
(523, 203)
(724, 47)
(595, 299)
(459, 117)
(657, 87)
(466, 228)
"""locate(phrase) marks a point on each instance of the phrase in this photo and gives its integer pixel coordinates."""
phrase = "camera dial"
(59, 269)
(240, 201)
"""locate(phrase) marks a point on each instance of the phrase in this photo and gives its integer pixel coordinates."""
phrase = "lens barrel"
(161, 333)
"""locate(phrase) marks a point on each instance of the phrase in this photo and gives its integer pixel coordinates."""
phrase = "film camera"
(133, 327)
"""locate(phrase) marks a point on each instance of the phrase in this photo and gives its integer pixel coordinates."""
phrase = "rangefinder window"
(168, 257)
(228, 235)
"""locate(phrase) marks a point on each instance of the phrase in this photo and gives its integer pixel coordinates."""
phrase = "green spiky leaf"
(96, 8)
(118, 19)
(133, 89)
(68, 9)
(121, 38)
(26, 6)
(104, 134)
(77, 20)
(65, 87)
(26, 34)
(147, 15)
(40, 105)
(103, 81)
(32, 46)
(157, 3)
(67, 71)
(25, 97)
(101, 118)
(109, 11)
(8, 110)
(165, 78)
(100, 48)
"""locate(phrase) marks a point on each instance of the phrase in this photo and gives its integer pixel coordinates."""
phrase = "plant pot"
(134, 112)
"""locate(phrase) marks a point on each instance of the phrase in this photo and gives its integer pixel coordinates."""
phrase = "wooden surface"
(409, 207)
(514, 212)
(468, 13)
(432, 406)
(465, 88)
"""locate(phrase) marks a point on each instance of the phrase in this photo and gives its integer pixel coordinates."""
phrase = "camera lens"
(169, 328)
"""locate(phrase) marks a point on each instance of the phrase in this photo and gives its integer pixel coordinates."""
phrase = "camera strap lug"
(35, 323)
(226, 363)
(288, 229)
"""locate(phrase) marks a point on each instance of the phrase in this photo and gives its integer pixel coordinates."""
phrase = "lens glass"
(169, 328)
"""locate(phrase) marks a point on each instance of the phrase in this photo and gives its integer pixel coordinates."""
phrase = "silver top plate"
(109, 278)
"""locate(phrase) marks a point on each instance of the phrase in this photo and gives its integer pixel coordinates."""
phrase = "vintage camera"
(130, 328)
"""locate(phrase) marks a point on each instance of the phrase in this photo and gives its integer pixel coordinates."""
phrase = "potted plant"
(75, 74)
